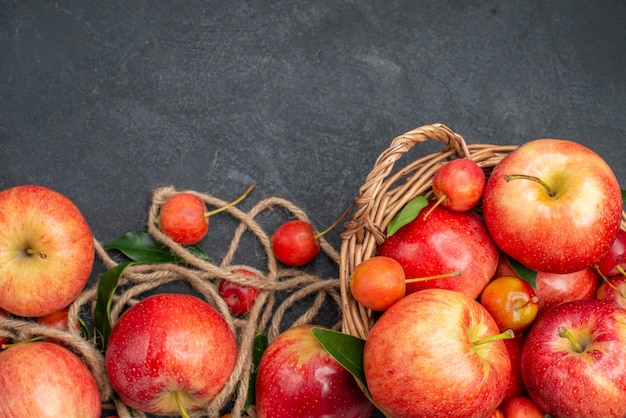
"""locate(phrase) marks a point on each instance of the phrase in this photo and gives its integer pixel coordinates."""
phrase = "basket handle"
(369, 191)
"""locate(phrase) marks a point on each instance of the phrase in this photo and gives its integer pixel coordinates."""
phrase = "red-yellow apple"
(553, 205)
(46, 251)
(297, 377)
(574, 360)
(436, 353)
(445, 243)
(170, 353)
(45, 380)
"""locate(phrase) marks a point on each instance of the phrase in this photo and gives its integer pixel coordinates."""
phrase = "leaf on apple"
(524, 272)
(140, 246)
(258, 348)
(409, 212)
(102, 312)
(346, 349)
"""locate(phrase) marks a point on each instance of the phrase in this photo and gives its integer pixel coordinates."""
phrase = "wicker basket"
(387, 188)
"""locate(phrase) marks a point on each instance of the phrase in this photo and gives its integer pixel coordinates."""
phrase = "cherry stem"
(334, 224)
(182, 411)
(437, 203)
(509, 177)
(231, 204)
(564, 333)
(438, 276)
(620, 269)
(533, 299)
(506, 335)
(30, 340)
(609, 283)
(31, 251)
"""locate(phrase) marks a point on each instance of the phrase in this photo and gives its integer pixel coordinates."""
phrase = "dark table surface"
(107, 101)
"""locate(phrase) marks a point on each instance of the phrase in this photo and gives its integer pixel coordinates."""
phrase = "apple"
(552, 288)
(520, 407)
(170, 353)
(553, 205)
(514, 347)
(42, 379)
(436, 353)
(297, 377)
(574, 360)
(614, 291)
(46, 251)
(59, 320)
(614, 261)
(238, 297)
(378, 282)
(445, 243)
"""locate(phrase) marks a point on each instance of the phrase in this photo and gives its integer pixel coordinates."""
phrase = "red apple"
(42, 379)
(297, 377)
(46, 251)
(552, 288)
(514, 348)
(442, 244)
(238, 297)
(436, 353)
(574, 360)
(553, 205)
(614, 291)
(170, 353)
(614, 261)
(520, 407)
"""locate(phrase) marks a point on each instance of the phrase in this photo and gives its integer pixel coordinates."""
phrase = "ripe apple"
(42, 379)
(442, 244)
(297, 377)
(520, 407)
(514, 347)
(553, 205)
(613, 290)
(46, 251)
(238, 297)
(574, 360)
(170, 353)
(378, 282)
(436, 353)
(553, 288)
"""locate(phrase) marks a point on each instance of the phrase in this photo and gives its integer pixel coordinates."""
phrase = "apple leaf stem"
(437, 203)
(181, 409)
(564, 333)
(334, 224)
(31, 251)
(549, 190)
(437, 276)
(231, 204)
(506, 335)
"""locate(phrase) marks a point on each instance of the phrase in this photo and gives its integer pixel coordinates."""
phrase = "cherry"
(184, 217)
(511, 301)
(4, 340)
(613, 290)
(458, 185)
(520, 407)
(614, 261)
(295, 243)
(239, 297)
(58, 320)
(378, 282)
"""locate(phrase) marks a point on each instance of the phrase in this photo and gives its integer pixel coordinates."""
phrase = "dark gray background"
(106, 101)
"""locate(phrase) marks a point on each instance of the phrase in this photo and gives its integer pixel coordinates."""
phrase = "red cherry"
(239, 298)
(615, 259)
(295, 243)
(182, 218)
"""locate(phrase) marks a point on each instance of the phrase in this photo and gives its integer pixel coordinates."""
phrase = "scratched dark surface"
(106, 101)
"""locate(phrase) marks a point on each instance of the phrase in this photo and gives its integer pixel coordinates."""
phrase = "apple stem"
(182, 411)
(437, 203)
(506, 335)
(231, 204)
(564, 333)
(438, 276)
(334, 224)
(509, 177)
(31, 251)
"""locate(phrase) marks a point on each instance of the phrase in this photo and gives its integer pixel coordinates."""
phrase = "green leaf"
(624, 198)
(524, 272)
(345, 348)
(409, 212)
(258, 348)
(102, 312)
(140, 246)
